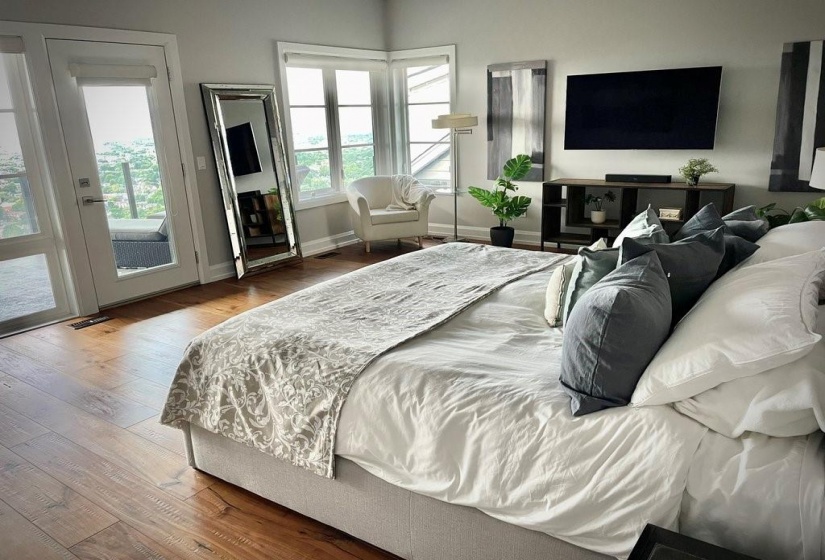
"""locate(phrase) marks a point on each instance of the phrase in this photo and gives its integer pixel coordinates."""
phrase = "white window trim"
(375, 62)
(399, 108)
(389, 115)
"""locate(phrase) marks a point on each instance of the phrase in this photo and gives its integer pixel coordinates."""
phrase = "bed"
(458, 442)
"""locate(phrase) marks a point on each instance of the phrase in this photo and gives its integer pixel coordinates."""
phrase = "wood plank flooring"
(86, 471)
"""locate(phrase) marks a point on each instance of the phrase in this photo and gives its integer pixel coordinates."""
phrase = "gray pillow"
(746, 224)
(592, 266)
(737, 249)
(613, 333)
(646, 228)
(690, 265)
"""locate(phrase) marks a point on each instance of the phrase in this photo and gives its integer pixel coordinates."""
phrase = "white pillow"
(557, 288)
(788, 240)
(644, 228)
(751, 320)
(782, 402)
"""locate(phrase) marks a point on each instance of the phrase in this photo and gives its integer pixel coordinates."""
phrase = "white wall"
(591, 36)
(226, 42)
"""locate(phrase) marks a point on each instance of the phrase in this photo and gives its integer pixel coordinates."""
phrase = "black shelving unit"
(575, 210)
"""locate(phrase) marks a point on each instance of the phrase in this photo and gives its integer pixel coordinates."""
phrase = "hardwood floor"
(86, 471)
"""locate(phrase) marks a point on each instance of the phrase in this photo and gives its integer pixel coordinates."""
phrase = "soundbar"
(619, 178)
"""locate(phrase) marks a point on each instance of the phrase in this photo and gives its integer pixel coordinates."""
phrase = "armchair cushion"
(382, 216)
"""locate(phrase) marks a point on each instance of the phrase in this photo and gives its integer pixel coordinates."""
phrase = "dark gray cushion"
(690, 265)
(746, 224)
(613, 332)
(592, 266)
(737, 249)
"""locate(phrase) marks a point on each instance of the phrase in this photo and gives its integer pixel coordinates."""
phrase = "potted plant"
(815, 211)
(694, 169)
(598, 215)
(504, 206)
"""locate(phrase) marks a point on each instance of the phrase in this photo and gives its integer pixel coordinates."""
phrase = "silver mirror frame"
(213, 94)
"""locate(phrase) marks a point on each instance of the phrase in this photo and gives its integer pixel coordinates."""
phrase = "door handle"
(88, 200)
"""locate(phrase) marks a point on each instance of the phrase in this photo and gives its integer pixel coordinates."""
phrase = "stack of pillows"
(619, 305)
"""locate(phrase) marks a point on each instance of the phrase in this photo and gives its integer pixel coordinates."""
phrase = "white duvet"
(472, 413)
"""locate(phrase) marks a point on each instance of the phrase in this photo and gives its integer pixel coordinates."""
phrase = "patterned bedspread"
(276, 377)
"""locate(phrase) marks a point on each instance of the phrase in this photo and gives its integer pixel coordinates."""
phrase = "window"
(424, 95)
(31, 282)
(17, 213)
(340, 122)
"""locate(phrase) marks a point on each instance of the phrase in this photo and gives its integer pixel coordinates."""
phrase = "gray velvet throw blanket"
(276, 377)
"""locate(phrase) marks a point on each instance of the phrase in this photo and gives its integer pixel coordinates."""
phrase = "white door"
(32, 291)
(119, 126)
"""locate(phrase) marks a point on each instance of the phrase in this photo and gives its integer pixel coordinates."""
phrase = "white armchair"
(372, 221)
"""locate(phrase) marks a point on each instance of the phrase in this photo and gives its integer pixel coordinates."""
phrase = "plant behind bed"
(815, 211)
(504, 206)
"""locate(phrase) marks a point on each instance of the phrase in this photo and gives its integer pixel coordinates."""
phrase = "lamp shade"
(818, 172)
(455, 120)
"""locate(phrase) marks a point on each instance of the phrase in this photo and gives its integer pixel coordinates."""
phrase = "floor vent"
(328, 255)
(89, 322)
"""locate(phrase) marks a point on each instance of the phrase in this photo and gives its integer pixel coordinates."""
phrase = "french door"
(32, 287)
(115, 109)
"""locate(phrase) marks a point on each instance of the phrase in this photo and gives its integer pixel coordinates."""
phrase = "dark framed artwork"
(516, 94)
(800, 116)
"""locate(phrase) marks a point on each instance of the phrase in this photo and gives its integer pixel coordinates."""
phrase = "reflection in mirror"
(247, 138)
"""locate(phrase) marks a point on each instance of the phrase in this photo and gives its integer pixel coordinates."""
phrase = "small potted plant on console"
(693, 170)
(504, 206)
(598, 215)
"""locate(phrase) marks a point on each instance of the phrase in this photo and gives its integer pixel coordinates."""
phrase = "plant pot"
(598, 216)
(502, 236)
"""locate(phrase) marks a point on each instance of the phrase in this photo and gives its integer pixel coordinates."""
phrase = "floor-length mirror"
(248, 142)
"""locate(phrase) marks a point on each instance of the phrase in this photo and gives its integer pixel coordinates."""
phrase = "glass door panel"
(120, 123)
(26, 287)
(32, 291)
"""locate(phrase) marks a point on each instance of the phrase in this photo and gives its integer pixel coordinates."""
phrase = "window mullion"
(336, 166)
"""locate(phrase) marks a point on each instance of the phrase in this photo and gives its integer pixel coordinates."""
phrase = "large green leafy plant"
(506, 207)
(815, 211)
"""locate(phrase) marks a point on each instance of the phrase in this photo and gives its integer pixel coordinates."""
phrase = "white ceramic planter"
(598, 216)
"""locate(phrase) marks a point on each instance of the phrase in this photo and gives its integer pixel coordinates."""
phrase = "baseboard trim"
(324, 244)
(220, 271)
(483, 233)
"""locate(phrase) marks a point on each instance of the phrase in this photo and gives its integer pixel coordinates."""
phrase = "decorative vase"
(598, 216)
(502, 236)
(693, 180)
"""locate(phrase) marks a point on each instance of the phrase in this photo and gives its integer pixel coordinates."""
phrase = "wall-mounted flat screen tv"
(243, 152)
(651, 110)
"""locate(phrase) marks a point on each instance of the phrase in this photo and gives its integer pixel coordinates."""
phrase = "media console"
(576, 215)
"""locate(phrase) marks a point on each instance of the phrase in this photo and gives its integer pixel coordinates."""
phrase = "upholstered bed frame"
(407, 524)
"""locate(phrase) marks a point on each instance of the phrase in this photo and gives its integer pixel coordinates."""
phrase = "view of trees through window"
(17, 215)
(139, 160)
(313, 166)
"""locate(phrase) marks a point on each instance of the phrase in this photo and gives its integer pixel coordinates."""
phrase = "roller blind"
(437, 60)
(11, 45)
(107, 71)
(335, 62)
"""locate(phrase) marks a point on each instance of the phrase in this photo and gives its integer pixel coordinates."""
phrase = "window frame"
(351, 59)
(400, 126)
(43, 241)
(389, 109)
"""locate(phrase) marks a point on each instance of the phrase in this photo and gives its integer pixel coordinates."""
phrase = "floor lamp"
(460, 123)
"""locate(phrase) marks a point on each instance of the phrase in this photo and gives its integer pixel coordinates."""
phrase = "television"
(650, 110)
(243, 152)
